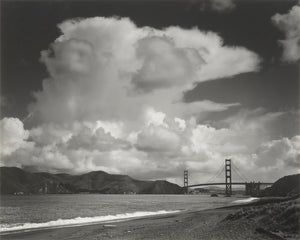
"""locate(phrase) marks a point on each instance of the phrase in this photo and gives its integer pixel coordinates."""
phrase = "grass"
(282, 217)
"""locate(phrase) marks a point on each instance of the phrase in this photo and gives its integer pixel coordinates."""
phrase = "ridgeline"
(17, 181)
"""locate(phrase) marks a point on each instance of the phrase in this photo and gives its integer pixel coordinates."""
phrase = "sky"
(151, 88)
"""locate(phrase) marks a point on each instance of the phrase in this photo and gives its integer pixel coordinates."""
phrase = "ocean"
(57, 210)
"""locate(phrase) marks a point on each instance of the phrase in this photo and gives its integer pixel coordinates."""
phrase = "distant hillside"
(15, 180)
(285, 186)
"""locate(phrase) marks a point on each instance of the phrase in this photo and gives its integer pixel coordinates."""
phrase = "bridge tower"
(228, 183)
(186, 181)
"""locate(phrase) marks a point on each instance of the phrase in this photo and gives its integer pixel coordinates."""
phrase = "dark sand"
(206, 225)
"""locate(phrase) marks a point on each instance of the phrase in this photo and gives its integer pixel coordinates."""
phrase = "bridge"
(251, 187)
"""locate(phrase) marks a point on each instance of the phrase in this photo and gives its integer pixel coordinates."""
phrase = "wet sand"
(205, 224)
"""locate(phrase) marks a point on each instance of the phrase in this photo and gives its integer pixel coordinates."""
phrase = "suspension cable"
(243, 177)
(220, 170)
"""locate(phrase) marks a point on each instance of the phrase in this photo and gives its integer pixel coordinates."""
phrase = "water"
(36, 211)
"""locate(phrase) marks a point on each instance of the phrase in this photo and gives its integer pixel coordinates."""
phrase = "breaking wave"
(79, 221)
(247, 200)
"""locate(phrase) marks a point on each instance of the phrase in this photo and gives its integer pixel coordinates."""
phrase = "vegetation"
(17, 181)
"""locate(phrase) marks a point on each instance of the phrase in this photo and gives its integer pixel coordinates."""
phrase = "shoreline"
(150, 227)
(118, 218)
(186, 225)
(103, 222)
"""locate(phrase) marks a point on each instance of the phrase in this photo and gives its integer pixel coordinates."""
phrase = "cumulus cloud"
(113, 102)
(47, 134)
(164, 144)
(279, 153)
(289, 24)
(95, 137)
(45, 158)
(13, 135)
(99, 60)
(157, 138)
(164, 65)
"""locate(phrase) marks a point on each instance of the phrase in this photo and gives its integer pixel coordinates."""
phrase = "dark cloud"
(275, 89)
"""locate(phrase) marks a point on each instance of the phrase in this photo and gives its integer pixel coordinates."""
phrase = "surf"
(79, 221)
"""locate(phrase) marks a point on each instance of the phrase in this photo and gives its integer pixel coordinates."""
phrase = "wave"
(247, 200)
(6, 228)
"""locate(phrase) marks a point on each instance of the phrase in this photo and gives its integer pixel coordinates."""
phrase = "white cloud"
(163, 64)
(155, 118)
(93, 137)
(164, 144)
(110, 69)
(157, 138)
(254, 125)
(47, 134)
(279, 153)
(115, 129)
(13, 135)
(218, 58)
(289, 24)
(45, 158)
(181, 123)
(113, 102)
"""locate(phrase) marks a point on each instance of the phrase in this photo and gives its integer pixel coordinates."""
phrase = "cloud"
(164, 65)
(164, 144)
(99, 60)
(279, 153)
(222, 5)
(114, 102)
(50, 134)
(218, 58)
(13, 135)
(157, 138)
(96, 137)
(45, 158)
(252, 124)
(289, 24)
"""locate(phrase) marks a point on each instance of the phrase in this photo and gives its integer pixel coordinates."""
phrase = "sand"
(206, 224)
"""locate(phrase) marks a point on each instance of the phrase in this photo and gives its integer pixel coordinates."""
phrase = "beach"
(150, 119)
(216, 224)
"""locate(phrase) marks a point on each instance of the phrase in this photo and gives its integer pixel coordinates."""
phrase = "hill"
(17, 181)
(285, 186)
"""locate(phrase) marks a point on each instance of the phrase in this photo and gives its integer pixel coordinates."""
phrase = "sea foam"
(6, 228)
(247, 200)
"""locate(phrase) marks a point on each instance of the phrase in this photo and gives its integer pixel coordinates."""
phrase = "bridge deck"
(234, 183)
